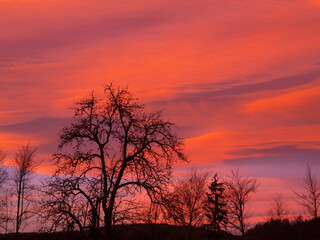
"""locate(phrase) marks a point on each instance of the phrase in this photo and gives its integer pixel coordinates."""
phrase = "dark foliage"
(284, 230)
(130, 232)
(215, 206)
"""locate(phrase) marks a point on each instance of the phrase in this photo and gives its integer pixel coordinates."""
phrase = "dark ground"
(283, 230)
(274, 230)
(130, 232)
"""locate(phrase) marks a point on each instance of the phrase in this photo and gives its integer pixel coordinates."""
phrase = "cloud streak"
(82, 35)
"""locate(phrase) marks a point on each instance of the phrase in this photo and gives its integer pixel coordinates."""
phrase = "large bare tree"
(25, 163)
(113, 147)
(238, 194)
(309, 199)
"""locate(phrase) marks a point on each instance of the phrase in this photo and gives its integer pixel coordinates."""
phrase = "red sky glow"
(241, 79)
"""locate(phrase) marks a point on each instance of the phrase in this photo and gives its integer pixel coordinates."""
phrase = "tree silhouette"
(3, 172)
(115, 146)
(278, 209)
(25, 163)
(310, 198)
(238, 194)
(72, 203)
(3, 197)
(215, 206)
(187, 200)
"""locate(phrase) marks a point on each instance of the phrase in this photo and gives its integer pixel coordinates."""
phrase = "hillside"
(130, 232)
(273, 230)
(284, 230)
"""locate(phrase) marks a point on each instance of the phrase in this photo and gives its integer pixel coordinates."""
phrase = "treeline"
(110, 158)
(284, 229)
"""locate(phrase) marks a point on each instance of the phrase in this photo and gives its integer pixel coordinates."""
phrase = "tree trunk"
(189, 231)
(108, 225)
(18, 208)
(93, 233)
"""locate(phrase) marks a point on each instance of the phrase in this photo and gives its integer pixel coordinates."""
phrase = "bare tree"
(116, 144)
(187, 200)
(278, 209)
(25, 163)
(7, 214)
(71, 203)
(127, 210)
(310, 198)
(155, 213)
(3, 172)
(3, 197)
(238, 194)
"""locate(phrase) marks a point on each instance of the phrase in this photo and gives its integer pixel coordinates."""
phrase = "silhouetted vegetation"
(112, 150)
(310, 197)
(285, 230)
(113, 181)
(3, 197)
(187, 201)
(25, 164)
(129, 232)
(3, 173)
(274, 229)
(278, 209)
(215, 206)
(238, 193)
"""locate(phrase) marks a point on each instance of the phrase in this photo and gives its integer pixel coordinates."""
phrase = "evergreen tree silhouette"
(215, 206)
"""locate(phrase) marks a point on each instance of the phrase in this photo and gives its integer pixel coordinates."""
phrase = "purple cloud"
(81, 35)
(283, 158)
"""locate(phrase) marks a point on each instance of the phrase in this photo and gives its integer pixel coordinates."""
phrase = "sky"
(241, 79)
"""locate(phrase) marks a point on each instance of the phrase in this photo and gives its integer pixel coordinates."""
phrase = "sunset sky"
(241, 79)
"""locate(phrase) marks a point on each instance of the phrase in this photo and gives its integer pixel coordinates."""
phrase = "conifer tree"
(215, 206)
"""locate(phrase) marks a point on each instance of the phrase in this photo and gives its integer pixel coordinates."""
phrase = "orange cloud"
(315, 2)
(296, 107)
(214, 147)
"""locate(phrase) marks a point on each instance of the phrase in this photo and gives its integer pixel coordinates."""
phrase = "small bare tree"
(71, 203)
(25, 163)
(6, 208)
(188, 200)
(3, 197)
(238, 194)
(154, 214)
(278, 209)
(3, 172)
(310, 198)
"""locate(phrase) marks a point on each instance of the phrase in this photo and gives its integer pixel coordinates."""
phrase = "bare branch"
(25, 163)
(112, 147)
(238, 193)
(278, 209)
(309, 199)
